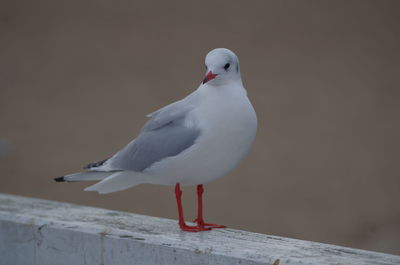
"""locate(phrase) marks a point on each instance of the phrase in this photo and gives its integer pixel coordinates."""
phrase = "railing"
(40, 232)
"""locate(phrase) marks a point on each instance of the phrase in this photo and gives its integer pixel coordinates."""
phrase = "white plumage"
(192, 141)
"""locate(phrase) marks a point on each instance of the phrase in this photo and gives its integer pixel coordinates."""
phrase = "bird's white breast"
(228, 124)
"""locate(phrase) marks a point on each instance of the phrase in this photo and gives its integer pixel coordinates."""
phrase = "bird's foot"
(196, 228)
(206, 225)
(201, 223)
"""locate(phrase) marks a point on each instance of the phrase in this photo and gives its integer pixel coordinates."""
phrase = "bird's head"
(222, 67)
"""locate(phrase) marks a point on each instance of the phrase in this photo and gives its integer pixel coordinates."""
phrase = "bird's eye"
(227, 66)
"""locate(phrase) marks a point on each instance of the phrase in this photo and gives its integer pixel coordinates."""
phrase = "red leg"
(200, 220)
(182, 224)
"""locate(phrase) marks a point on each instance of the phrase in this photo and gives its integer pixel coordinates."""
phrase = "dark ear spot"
(226, 67)
(237, 68)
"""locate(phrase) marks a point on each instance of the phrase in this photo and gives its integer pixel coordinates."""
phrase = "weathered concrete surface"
(41, 232)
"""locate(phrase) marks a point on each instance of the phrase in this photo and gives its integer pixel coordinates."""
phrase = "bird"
(190, 142)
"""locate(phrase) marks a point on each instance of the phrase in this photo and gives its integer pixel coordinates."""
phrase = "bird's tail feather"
(84, 176)
(117, 181)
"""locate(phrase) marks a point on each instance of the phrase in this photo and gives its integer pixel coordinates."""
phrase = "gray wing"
(164, 135)
(169, 113)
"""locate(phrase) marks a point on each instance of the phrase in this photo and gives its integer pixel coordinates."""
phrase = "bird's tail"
(84, 176)
(118, 181)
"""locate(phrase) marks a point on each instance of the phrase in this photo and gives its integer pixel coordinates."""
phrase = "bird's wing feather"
(169, 113)
(117, 181)
(165, 134)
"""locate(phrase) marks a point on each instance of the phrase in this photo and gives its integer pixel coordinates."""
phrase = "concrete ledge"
(40, 232)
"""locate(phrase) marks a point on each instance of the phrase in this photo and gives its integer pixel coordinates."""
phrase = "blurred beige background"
(78, 77)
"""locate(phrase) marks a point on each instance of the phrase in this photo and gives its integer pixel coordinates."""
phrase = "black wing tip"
(59, 179)
(95, 164)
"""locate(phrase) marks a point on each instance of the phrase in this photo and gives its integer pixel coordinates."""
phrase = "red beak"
(209, 76)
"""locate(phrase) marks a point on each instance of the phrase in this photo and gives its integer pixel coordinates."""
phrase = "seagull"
(193, 141)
